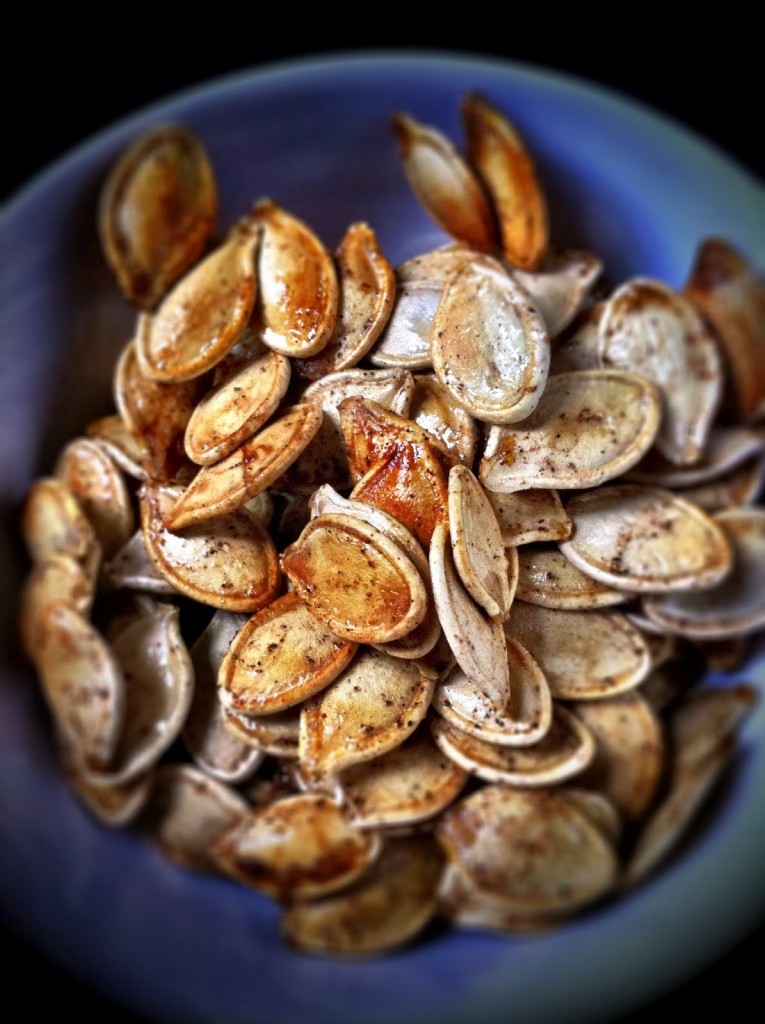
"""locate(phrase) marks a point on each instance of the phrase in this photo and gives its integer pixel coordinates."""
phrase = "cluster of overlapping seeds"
(382, 590)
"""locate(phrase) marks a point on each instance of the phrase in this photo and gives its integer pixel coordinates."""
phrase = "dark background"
(89, 75)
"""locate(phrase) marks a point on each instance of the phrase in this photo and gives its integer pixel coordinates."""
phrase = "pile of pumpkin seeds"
(386, 591)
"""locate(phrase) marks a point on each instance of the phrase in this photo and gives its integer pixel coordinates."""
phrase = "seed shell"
(566, 749)
(489, 344)
(298, 290)
(546, 577)
(298, 848)
(731, 295)
(645, 540)
(355, 580)
(157, 211)
(370, 709)
(249, 469)
(204, 315)
(159, 685)
(83, 685)
(367, 288)
(734, 607)
(214, 748)
(630, 759)
(477, 548)
(523, 720)
(237, 407)
(384, 910)
(187, 811)
(411, 783)
(530, 849)
(229, 562)
(584, 655)
(478, 642)
(589, 427)
(650, 329)
(504, 164)
(279, 658)
(100, 489)
(444, 183)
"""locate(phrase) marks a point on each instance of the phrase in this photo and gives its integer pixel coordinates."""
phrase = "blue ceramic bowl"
(316, 136)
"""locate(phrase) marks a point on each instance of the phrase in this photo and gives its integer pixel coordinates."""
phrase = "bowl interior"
(316, 137)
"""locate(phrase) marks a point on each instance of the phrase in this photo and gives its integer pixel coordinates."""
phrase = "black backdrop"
(72, 78)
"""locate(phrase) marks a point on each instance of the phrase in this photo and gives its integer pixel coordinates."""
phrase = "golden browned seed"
(325, 460)
(423, 638)
(298, 293)
(444, 183)
(280, 657)
(297, 848)
(650, 329)
(410, 783)
(157, 211)
(367, 289)
(731, 295)
(229, 562)
(355, 580)
(204, 315)
(410, 484)
(370, 708)
(384, 910)
(370, 430)
(504, 164)
(326, 500)
(156, 414)
(249, 469)
(237, 406)
(489, 344)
